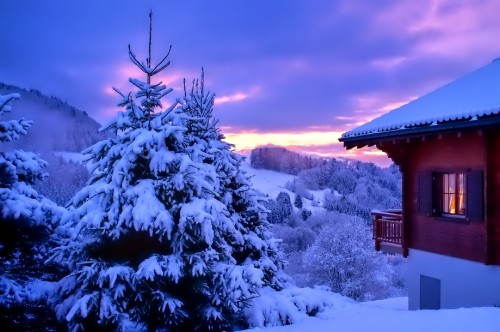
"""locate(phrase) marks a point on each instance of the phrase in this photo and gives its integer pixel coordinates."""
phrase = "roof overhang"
(431, 129)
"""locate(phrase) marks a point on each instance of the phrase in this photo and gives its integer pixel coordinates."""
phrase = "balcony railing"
(388, 231)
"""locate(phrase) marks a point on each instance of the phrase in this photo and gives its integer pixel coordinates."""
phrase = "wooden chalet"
(447, 145)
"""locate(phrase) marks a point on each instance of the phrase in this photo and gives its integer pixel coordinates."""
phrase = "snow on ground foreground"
(391, 315)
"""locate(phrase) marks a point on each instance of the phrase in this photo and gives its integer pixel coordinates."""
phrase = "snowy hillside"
(272, 183)
(267, 182)
(57, 126)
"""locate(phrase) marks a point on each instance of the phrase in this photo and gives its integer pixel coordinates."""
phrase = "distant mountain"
(57, 126)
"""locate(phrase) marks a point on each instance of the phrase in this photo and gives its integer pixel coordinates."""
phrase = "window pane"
(452, 203)
(453, 195)
(461, 192)
(461, 182)
(449, 203)
(451, 183)
(446, 208)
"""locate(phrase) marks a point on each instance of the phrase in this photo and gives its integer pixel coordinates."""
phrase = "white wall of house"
(459, 282)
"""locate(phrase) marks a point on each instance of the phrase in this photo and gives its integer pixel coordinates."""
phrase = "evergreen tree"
(245, 249)
(298, 201)
(284, 206)
(168, 232)
(305, 213)
(27, 219)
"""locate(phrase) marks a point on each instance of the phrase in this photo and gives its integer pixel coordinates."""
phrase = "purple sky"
(293, 72)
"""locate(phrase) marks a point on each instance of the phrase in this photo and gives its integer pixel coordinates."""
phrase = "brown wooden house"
(447, 145)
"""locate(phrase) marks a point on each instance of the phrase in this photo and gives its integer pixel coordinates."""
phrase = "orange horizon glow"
(323, 144)
(319, 141)
(249, 140)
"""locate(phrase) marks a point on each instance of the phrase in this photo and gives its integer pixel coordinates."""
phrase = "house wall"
(493, 194)
(463, 283)
(461, 152)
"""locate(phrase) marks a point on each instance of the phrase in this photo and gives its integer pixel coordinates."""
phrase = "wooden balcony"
(388, 232)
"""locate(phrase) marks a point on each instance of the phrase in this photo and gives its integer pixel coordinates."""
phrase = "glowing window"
(453, 193)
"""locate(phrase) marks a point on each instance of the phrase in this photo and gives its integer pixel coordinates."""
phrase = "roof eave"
(374, 138)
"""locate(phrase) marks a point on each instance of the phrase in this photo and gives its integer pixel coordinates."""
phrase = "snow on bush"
(26, 221)
(290, 305)
(343, 259)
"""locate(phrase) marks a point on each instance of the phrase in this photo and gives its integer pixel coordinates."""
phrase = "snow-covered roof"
(474, 95)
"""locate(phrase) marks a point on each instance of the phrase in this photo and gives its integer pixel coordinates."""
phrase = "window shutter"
(425, 193)
(474, 195)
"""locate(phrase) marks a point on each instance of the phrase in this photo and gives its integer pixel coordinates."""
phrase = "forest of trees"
(349, 186)
(166, 234)
(315, 242)
(43, 245)
(163, 230)
(280, 159)
(333, 245)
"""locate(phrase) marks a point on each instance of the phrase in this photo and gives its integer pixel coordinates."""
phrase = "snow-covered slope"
(272, 183)
(57, 126)
(266, 181)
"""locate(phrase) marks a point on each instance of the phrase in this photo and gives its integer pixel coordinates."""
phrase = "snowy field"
(266, 181)
(391, 315)
(272, 183)
(74, 157)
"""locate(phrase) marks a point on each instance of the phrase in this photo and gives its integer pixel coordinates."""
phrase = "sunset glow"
(250, 140)
(300, 77)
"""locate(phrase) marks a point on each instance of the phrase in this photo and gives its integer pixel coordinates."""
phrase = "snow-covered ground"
(391, 315)
(74, 157)
(272, 183)
(268, 182)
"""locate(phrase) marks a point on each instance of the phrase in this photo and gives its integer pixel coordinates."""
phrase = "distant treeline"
(356, 187)
(279, 159)
(333, 246)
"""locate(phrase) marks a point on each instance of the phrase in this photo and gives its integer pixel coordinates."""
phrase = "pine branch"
(136, 62)
(8, 99)
(155, 69)
(119, 92)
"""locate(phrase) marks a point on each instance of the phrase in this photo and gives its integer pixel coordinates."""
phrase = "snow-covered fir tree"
(168, 232)
(26, 221)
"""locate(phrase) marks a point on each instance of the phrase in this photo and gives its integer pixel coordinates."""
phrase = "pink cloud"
(237, 96)
(458, 29)
(231, 98)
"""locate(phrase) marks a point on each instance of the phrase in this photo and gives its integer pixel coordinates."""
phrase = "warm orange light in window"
(453, 193)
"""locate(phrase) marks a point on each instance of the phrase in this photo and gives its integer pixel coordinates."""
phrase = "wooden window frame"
(447, 195)
(430, 198)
